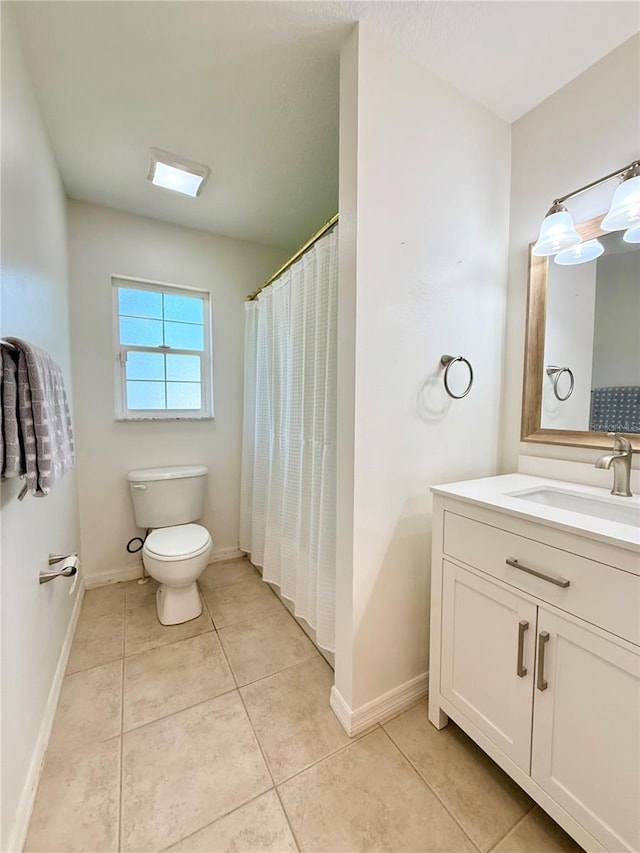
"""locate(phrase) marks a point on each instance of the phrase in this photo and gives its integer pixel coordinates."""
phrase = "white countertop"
(494, 493)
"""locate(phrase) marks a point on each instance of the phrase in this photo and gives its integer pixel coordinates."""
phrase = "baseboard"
(18, 834)
(132, 573)
(224, 554)
(129, 573)
(392, 702)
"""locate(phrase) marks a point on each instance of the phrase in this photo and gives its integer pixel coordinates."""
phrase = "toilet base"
(178, 604)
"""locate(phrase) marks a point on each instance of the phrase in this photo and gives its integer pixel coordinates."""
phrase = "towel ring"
(447, 361)
(556, 372)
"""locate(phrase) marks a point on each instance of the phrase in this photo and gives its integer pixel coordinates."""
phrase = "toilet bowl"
(167, 502)
(176, 557)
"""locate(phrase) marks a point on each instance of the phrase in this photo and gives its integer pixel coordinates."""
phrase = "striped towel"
(12, 462)
(45, 432)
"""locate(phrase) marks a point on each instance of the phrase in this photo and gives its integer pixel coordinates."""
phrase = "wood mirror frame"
(530, 429)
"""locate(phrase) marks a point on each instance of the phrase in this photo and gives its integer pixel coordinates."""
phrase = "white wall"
(568, 342)
(34, 306)
(424, 228)
(583, 131)
(103, 242)
(616, 350)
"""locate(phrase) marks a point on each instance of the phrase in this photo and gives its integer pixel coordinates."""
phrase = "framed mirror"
(582, 347)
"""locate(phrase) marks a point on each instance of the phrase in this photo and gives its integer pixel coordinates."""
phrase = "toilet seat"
(180, 542)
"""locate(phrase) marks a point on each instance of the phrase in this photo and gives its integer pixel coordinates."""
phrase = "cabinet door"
(586, 730)
(482, 673)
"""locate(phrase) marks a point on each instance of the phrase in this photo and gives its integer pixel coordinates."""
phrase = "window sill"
(131, 419)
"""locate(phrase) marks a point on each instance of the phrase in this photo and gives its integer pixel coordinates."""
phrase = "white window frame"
(122, 413)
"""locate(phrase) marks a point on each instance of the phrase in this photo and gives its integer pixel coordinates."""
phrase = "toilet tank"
(163, 497)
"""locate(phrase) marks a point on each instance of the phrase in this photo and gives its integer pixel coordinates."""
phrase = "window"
(163, 351)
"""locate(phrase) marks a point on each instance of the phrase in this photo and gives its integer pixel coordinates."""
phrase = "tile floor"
(216, 735)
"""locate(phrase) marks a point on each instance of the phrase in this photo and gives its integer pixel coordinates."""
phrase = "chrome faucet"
(620, 460)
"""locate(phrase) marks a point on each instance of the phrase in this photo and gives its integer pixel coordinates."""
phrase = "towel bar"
(447, 361)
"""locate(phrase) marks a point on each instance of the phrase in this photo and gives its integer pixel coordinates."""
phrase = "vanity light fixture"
(624, 212)
(174, 173)
(558, 232)
(632, 235)
(580, 254)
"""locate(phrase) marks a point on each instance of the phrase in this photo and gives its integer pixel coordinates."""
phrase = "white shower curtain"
(288, 497)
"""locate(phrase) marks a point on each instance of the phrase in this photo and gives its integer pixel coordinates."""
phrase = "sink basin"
(610, 509)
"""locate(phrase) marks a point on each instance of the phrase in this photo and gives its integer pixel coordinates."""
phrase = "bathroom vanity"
(535, 643)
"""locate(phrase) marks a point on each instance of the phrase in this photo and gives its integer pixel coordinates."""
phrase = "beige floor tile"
(291, 716)
(535, 834)
(240, 602)
(185, 771)
(144, 631)
(173, 677)
(77, 803)
(223, 574)
(265, 646)
(97, 640)
(367, 797)
(136, 594)
(103, 600)
(485, 801)
(89, 709)
(258, 827)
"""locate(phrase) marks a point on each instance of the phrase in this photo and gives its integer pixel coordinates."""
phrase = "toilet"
(167, 501)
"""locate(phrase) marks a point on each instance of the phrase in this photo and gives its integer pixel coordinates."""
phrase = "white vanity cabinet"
(535, 653)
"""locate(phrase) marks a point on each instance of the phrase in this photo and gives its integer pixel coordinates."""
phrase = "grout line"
(512, 829)
(252, 618)
(167, 645)
(278, 672)
(205, 604)
(433, 791)
(178, 711)
(262, 752)
(286, 817)
(172, 642)
(329, 755)
(93, 666)
(253, 731)
(216, 819)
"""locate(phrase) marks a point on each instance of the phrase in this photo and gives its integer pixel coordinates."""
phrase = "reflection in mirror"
(593, 328)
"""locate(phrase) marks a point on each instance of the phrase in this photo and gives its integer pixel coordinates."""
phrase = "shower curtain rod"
(327, 225)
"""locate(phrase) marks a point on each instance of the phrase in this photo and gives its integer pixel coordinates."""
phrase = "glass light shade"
(632, 235)
(580, 254)
(557, 232)
(625, 206)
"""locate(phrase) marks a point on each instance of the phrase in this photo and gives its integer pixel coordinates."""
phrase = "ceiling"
(251, 90)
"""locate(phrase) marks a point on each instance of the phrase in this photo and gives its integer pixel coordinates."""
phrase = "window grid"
(171, 403)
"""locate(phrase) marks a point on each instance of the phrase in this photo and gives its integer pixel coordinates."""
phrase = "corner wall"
(423, 237)
(103, 242)
(35, 304)
(583, 131)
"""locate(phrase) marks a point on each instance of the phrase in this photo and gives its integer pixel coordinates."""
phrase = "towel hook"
(446, 361)
(556, 372)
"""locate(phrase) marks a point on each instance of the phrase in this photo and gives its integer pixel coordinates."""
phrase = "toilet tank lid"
(176, 472)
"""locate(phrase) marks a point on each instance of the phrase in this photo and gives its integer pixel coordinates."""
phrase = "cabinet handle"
(520, 668)
(543, 639)
(563, 582)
